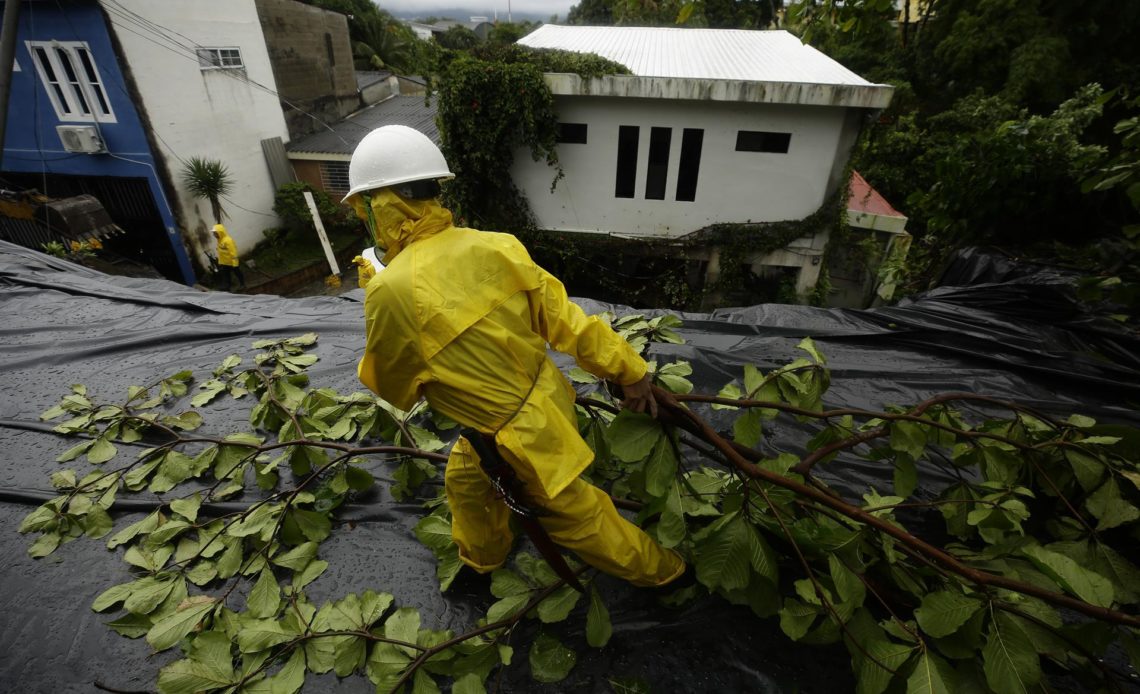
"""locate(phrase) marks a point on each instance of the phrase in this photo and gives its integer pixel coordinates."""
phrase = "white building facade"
(712, 127)
(204, 78)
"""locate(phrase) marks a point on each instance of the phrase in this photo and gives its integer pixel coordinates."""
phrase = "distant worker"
(463, 318)
(228, 264)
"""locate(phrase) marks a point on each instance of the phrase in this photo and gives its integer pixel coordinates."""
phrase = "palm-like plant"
(208, 178)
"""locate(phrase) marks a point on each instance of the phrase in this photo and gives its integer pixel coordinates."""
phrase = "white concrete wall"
(215, 114)
(731, 187)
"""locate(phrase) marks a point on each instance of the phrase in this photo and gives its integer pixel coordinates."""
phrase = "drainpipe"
(7, 58)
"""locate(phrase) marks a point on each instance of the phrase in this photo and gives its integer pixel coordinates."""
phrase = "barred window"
(334, 176)
(219, 58)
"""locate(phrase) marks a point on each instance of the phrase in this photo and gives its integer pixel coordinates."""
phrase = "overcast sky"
(538, 8)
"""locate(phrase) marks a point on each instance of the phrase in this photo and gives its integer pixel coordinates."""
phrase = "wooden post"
(321, 233)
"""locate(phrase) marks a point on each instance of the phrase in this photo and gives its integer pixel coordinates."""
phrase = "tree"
(1015, 571)
(209, 179)
(592, 12)
(457, 38)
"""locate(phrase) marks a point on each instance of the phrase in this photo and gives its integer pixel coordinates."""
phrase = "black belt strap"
(509, 488)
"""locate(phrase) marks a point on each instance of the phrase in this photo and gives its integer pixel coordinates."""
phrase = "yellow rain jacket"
(463, 317)
(227, 249)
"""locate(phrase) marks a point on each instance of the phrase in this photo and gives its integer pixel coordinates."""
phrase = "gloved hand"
(639, 397)
(365, 271)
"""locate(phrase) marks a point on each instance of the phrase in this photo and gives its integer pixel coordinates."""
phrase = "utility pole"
(7, 58)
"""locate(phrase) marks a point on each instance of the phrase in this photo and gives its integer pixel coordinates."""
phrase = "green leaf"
(265, 597)
(434, 532)
(906, 475)
(112, 596)
(1109, 506)
(506, 583)
(130, 625)
(847, 583)
(931, 675)
(404, 625)
(170, 630)
(74, 452)
(661, 468)
(942, 613)
(45, 545)
(188, 507)
(550, 661)
(908, 437)
(808, 346)
(632, 436)
(98, 523)
(1088, 469)
(470, 683)
(871, 640)
(748, 428)
(386, 664)
(310, 573)
(147, 593)
(558, 605)
(209, 666)
(796, 618)
(1101, 440)
(1084, 583)
(258, 634)
(506, 607)
(298, 557)
(723, 560)
(671, 527)
(288, 680)
(313, 524)
(598, 626)
(1008, 658)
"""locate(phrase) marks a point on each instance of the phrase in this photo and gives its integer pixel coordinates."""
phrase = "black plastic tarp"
(1019, 337)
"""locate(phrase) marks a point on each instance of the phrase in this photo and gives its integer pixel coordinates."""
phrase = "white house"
(202, 71)
(712, 126)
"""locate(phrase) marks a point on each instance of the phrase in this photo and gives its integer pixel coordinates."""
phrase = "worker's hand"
(639, 397)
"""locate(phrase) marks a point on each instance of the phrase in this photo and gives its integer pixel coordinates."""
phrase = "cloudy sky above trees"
(537, 8)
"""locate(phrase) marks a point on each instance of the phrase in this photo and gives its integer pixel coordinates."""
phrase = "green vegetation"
(209, 179)
(1010, 128)
(492, 101)
(1014, 573)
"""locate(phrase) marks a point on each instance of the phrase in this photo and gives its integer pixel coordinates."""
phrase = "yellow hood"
(396, 222)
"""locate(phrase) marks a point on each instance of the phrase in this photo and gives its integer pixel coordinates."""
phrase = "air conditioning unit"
(80, 138)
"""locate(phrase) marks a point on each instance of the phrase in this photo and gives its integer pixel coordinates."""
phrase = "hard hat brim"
(384, 183)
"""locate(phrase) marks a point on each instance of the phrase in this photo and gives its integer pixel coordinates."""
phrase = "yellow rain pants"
(463, 318)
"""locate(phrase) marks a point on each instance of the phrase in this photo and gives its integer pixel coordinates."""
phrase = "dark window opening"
(628, 136)
(329, 49)
(759, 141)
(690, 166)
(572, 133)
(658, 172)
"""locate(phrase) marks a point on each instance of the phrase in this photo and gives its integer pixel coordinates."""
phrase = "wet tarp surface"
(1006, 334)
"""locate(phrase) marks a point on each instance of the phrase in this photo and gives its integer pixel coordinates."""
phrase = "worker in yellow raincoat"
(228, 264)
(463, 318)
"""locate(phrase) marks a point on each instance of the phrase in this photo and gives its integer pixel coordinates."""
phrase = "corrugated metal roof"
(345, 135)
(715, 54)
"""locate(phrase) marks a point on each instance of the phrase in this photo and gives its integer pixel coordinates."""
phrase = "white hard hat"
(394, 154)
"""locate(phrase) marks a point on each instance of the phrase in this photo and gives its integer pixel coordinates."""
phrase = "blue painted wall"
(31, 143)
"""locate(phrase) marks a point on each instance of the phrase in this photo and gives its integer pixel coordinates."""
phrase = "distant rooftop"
(719, 54)
(338, 144)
